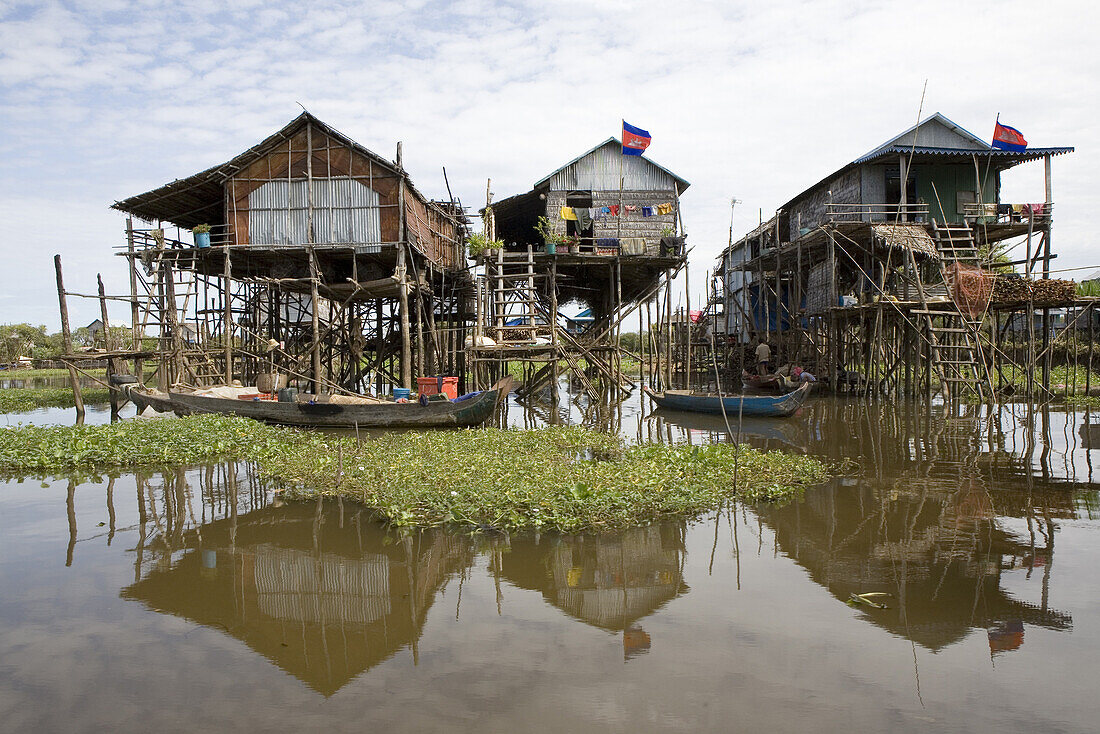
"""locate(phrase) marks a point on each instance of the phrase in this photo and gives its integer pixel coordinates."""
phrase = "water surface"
(194, 600)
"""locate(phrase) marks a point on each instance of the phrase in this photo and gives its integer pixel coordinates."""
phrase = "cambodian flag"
(635, 139)
(1008, 138)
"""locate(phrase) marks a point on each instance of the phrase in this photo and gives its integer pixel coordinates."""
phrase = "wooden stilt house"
(603, 231)
(314, 242)
(874, 275)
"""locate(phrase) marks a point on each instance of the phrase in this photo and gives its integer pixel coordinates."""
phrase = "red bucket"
(435, 385)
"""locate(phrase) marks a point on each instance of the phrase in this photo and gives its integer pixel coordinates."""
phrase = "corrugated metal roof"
(200, 198)
(1000, 155)
(598, 169)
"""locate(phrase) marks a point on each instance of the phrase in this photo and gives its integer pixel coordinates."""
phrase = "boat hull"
(778, 406)
(441, 414)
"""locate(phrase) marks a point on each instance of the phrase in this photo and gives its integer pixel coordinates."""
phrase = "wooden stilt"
(67, 340)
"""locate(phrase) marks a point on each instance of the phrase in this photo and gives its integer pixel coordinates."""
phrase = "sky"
(104, 99)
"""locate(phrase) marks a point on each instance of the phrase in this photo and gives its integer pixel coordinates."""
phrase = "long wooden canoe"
(777, 406)
(472, 411)
(147, 397)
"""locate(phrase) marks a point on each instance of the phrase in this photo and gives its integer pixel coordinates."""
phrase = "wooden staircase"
(954, 337)
(513, 298)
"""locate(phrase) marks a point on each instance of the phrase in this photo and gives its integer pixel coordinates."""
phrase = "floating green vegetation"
(20, 400)
(563, 478)
(162, 442)
(1083, 401)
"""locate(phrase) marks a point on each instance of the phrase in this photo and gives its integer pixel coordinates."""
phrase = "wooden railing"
(876, 212)
(1008, 213)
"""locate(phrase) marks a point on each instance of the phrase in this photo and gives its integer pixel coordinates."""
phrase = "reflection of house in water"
(936, 545)
(610, 582)
(323, 599)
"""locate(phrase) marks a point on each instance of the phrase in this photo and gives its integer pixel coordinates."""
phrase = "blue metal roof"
(1016, 157)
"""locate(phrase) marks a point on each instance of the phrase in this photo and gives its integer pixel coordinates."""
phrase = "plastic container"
(288, 395)
(401, 392)
(436, 385)
(202, 239)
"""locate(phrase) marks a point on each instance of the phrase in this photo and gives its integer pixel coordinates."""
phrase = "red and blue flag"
(1008, 138)
(635, 139)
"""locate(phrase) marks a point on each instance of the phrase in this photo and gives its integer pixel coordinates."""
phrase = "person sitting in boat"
(801, 375)
(763, 358)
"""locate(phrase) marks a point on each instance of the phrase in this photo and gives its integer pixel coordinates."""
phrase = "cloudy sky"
(102, 99)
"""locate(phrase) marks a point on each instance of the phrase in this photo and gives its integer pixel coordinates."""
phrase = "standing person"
(763, 358)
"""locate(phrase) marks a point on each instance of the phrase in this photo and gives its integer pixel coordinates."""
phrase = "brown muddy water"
(195, 601)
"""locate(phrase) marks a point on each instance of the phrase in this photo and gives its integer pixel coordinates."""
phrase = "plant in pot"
(480, 246)
(572, 243)
(551, 238)
(202, 235)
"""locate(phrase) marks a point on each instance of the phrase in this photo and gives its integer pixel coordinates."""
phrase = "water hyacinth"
(562, 478)
(20, 400)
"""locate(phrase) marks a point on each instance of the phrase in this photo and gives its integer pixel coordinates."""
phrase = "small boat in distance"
(775, 406)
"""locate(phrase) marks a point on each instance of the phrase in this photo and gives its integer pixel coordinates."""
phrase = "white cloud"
(753, 100)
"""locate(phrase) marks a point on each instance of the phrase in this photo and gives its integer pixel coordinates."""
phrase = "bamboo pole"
(135, 307)
(112, 391)
(67, 339)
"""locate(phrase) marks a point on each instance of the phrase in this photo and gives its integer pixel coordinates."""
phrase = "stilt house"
(308, 222)
(902, 224)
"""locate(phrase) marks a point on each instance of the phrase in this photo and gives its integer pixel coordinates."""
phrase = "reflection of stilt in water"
(70, 511)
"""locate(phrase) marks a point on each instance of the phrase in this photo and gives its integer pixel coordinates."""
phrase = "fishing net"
(970, 288)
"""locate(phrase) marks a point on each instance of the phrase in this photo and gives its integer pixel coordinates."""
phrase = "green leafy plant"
(201, 228)
(479, 244)
(545, 229)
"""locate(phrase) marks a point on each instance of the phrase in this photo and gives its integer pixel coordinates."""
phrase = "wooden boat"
(472, 411)
(775, 406)
(772, 383)
(147, 397)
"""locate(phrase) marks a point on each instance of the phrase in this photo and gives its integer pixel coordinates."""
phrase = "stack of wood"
(1013, 291)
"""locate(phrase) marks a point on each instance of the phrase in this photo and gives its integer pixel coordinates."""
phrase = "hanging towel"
(605, 210)
(633, 246)
(567, 212)
(628, 209)
(607, 242)
(664, 208)
(584, 217)
(614, 210)
(647, 211)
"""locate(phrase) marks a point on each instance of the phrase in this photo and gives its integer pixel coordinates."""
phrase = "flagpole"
(985, 177)
(619, 223)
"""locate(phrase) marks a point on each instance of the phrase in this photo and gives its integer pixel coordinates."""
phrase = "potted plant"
(202, 235)
(550, 238)
(480, 246)
(572, 243)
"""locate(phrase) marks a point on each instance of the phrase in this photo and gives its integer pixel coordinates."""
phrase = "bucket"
(288, 395)
(401, 392)
(202, 239)
(436, 385)
(270, 381)
(551, 248)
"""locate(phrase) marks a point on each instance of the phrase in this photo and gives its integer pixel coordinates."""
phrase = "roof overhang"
(200, 198)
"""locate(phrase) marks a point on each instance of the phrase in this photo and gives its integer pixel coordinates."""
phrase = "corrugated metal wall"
(599, 171)
(344, 211)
